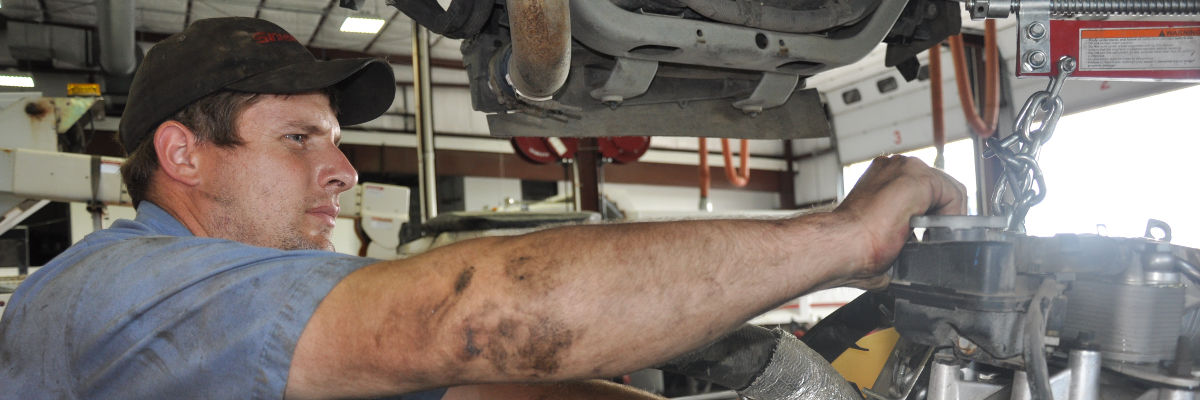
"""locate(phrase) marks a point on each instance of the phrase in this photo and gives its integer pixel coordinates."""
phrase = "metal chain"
(1022, 186)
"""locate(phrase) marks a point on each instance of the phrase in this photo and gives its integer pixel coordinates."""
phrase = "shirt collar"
(159, 220)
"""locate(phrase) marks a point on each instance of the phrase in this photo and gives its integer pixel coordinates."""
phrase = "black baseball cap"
(246, 55)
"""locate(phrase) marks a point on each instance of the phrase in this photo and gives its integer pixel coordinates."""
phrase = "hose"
(986, 126)
(1034, 354)
(741, 176)
(738, 177)
(935, 100)
(705, 175)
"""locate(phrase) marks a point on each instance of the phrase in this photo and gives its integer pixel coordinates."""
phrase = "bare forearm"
(594, 301)
(597, 301)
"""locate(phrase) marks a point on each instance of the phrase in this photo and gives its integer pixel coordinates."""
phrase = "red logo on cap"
(271, 37)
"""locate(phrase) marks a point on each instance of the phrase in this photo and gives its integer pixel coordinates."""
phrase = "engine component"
(1128, 322)
(1033, 305)
(944, 382)
(960, 282)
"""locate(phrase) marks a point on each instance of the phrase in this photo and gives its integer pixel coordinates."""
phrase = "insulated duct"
(765, 364)
(541, 47)
(115, 22)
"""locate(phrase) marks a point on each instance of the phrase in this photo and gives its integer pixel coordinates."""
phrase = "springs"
(1124, 7)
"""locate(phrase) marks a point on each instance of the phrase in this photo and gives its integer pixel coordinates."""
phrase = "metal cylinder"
(541, 47)
(1175, 394)
(1085, 375)
(1132, 323)
(422, 93)
(115, 22)
(1124, 7)
(942, 379)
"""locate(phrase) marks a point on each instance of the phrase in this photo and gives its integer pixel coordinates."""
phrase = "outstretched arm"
(594, 301)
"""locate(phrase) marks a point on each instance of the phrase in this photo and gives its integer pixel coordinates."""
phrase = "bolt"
(1036, 31)
(900, 374)
(1067, 64)
(1036, 59)
(965, 346)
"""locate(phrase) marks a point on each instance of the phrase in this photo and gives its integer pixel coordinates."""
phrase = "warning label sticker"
(1139, 49)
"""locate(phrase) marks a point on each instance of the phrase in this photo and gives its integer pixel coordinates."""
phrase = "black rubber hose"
(732, 361)
(1034, 353)
(462, 19)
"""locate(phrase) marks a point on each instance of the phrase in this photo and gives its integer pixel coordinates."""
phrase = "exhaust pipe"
(541, 47)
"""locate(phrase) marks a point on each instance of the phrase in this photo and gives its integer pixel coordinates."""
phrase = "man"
(222, 288)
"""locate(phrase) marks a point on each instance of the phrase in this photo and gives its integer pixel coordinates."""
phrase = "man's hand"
(893, 190)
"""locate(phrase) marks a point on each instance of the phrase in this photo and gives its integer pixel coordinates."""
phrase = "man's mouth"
(327, 214)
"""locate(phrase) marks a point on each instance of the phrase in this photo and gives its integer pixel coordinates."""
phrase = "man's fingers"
(952, 195)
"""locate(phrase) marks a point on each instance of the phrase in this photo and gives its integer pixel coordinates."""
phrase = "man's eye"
(298, 138)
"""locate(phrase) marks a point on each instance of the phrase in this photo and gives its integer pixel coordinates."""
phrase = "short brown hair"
(213, 119)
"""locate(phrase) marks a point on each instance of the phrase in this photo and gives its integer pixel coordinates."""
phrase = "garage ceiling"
(313, 22)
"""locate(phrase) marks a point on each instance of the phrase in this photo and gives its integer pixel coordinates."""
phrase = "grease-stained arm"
(594, 301)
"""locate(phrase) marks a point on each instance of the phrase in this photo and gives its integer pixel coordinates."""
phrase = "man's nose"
(337, 174)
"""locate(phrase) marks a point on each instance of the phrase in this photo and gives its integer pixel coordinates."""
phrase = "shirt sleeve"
(187, 317)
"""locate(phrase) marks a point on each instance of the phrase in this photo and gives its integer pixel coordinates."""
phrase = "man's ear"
(177, 151)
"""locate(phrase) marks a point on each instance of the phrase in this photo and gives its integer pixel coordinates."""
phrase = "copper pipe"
(541, 46)
(986, 126)
(935, 97)
(705, 175)
(739, 177)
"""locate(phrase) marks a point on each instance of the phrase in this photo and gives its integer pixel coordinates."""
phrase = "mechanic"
(224, 286)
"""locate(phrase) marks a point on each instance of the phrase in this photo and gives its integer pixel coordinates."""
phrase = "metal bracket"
(629, 78)
(900, 373)
(1033, 46)
(945, 384)
(19, 211)
(772, 91)
(982, 9)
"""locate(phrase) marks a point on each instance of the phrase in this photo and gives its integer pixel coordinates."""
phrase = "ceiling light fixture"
(16, 79)
(362, 25)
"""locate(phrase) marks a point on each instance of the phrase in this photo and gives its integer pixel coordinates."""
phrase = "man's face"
(280, 187)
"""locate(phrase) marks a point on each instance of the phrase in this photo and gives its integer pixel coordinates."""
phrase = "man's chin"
(308, 243)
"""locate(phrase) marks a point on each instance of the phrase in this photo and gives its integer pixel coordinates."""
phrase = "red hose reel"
(543, 150)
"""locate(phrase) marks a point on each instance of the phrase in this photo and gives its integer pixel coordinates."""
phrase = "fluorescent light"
(362, 25)
(16, 79)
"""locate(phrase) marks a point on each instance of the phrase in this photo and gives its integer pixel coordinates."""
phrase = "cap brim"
(366, 87)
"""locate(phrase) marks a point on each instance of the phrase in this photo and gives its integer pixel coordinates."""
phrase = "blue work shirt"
(146, 310)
